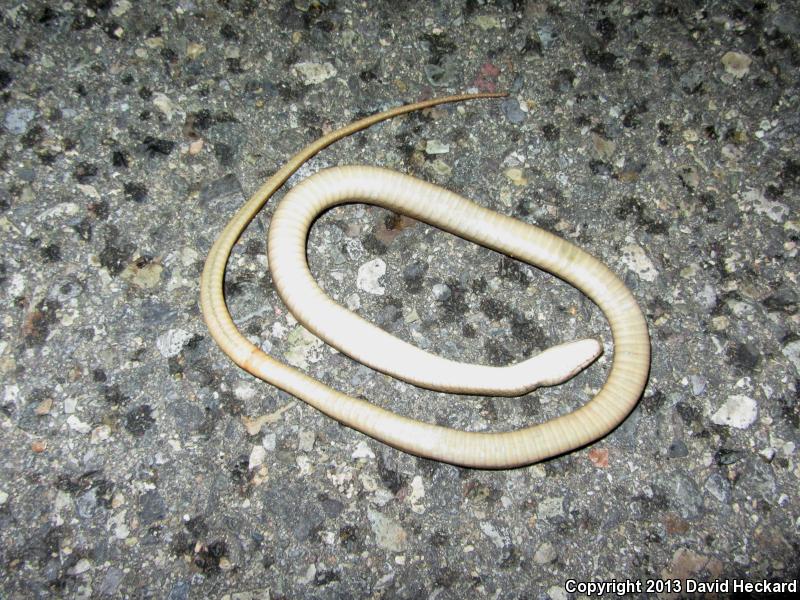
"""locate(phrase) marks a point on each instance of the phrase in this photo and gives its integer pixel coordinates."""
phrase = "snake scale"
(370, 345)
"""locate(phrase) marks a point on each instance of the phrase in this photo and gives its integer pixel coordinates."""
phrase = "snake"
(356, 337)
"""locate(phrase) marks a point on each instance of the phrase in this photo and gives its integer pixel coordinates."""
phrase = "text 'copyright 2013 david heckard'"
(623, 587)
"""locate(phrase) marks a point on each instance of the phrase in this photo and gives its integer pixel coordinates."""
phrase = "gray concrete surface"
(660, 136)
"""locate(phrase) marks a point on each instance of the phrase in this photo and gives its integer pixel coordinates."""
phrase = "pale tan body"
(462, 217)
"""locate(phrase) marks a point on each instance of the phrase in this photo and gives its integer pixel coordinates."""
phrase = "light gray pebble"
(686, 497)
(441, 292)
(699, 384)
(546, 553)
(514, 114)
(86, 503)
(111, 581)
(17, 119)
(306, 441)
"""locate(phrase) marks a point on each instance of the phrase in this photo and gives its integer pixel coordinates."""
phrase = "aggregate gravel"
(139, 462)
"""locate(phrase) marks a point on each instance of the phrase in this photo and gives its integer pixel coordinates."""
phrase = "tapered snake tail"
(450, 212)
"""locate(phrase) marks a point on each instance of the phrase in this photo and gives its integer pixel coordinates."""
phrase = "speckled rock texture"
(139, 462)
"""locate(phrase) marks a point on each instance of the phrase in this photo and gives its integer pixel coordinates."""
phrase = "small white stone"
(389, 534)
(737, 64)
(487, 22)
(77, 425)
(63, 209)
(312, 73)
(739, 411)
(763, 206)
(81, 566)
(100, 433)
(305, 441)
(635, 258)
(368, 277)
(120, 8)
(545, 554)
(17, 119)
(3, 497)
(308, 576)
(363, 451)
(244, 391)
(690, 135)
(303, 348)
(792, 352)
(436, 147)
(768, 453)
(70, 404)
(11, 394)
(164, 104)
(551, 507)
(557, 593)
(353, 301)
(416, 495)
(491, 532)
(16, 286)
(257, 456)
(269, 441)
(171, 343)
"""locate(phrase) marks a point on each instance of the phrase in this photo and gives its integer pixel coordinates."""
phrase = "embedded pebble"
(763, 206)
(363, 451)
(70, 404)
(737, 64)
(546, 553)
(269, 441)
(605, 148)
(441, 168)
(303, 347)
(516, 176)
(436, 147)
(739, 411)
(305, 441)
(257, 456)
(635, 258)
(245, 391)
(719, 487)
(441, 75)
(369, 275)
(120, 8)
(493, 534)
(441, 292)
(551, 508)
(77, 425)
(557, 593)
(353, 301)
(416, 495)
(792, 352)
(165, 105)
(17, 120)
(686, 497)
(487, 22)
(699, 384)
(171, 343)
(511, 109)
(313, 73)
(389, 534)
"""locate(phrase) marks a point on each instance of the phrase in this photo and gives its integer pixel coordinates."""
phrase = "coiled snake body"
(372, 346)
